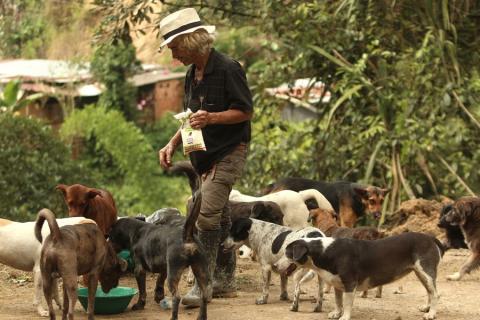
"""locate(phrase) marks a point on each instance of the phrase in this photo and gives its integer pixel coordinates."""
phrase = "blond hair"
(199, 41)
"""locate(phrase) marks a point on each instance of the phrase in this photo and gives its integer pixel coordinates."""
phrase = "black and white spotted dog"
(350, 265)
(268, 241)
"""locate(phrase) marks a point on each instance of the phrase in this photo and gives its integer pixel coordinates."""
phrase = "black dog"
(165, 249)
(350, 265)
(350, 200)
(455, 237)
(262, 210)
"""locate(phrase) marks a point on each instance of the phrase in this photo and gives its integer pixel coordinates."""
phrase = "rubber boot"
(210, 241)
(224, 275)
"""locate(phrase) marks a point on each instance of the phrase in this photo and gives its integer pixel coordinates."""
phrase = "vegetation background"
(403, 76)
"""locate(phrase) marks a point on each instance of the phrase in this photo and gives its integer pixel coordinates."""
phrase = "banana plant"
(13, 98)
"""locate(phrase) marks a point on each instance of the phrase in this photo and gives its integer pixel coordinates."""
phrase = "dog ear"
(299, 251)
(257, 210)
(361, 192)
(62, 188)
(385, 191)
(92, 193)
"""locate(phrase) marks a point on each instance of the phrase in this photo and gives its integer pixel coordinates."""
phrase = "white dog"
(268, 241)
(292, 204)
(22, 251)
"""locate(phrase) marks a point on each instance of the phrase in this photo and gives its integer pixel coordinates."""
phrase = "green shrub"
(32, 162)
(119, 152)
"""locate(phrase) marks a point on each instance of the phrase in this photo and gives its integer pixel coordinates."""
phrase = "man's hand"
(199, 119)
(165, 156)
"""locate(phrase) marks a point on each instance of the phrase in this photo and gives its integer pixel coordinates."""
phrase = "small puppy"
(350, 265)
(268, 241)
(167, 250)
(325, 221)
(71, 251)
(95, 204)
(465, 213)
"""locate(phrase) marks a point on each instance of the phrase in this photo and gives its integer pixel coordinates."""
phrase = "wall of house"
(168, 97)
(50, 111)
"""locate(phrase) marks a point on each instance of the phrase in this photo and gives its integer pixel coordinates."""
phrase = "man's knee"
(209, 222)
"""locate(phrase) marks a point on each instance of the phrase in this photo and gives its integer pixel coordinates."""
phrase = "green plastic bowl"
(116, 301)
(125, 255)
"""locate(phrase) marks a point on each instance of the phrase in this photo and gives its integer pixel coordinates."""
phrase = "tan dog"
(350, 200)
(71, 251)
(22, 251)
(325, 221)
(95, 204)
(465, 213)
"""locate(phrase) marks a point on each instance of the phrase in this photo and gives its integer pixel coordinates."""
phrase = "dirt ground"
(458, 301)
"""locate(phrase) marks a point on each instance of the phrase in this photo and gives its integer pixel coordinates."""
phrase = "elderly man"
(216, 90)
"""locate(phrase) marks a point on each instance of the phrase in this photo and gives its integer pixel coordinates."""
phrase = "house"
(302, 98)
(66, 85)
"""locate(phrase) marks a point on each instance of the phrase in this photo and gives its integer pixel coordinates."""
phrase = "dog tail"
(193, 213)
(194, 206)
(322, 202)
(440, 246)
(46, 214)
(187, 168)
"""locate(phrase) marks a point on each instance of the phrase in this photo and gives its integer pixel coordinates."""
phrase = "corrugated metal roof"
(46, 70)
(51, 76)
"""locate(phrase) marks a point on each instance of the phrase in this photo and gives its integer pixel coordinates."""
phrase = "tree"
(124, 161)
(403, 77)
(112, 65)
(32, 162)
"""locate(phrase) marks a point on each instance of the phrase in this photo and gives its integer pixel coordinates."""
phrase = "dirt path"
(458, 301)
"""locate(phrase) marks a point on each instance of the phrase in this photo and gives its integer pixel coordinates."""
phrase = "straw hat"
(181, 22)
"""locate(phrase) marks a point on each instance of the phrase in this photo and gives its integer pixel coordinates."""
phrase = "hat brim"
(209, 29)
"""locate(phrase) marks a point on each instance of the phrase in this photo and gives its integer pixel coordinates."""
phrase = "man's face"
(179, 53)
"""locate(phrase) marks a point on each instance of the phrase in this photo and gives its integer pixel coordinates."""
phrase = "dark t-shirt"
(224, 86)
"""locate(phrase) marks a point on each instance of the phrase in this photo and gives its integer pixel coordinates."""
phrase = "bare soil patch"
(458, 301)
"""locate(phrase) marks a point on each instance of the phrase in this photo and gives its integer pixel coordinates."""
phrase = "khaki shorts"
(216, 186)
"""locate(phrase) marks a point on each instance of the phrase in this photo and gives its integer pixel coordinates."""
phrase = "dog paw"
(294, 307)
(261, 300)
(364, 294)
(424, 308)
(138, 306)
(335, 314)
(284, 296)
(454, 277)
(399, 290)
(430, 315)
(318, 308)
(43, 313)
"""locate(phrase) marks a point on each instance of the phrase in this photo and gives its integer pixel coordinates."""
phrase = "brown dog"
(95, 204)
(465, 213)
(76, 250)
(325, 221)
(351, 200)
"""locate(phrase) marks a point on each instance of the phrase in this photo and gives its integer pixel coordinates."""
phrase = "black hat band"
(182, 28)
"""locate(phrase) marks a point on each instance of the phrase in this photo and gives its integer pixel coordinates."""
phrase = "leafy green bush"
(137, 182)
(112, 64)
(32, 162)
